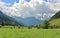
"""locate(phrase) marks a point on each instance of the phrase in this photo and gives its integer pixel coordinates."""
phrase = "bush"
(29, 27)
(38, 26)
(46, 24)
(18, 27)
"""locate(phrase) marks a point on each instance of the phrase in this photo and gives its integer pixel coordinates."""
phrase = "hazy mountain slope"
(55, 20)
(56, 16)
(28, 21)
(7, 20)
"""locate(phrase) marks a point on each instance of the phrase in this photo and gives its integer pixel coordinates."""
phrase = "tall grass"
(29, 33)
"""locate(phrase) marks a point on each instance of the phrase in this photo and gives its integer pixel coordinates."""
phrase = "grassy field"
(55, 22)
(29, 33)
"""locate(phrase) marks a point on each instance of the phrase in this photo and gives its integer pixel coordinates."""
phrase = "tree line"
(44, 25)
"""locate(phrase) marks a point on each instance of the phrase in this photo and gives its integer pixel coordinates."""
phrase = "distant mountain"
(28, 21)
(7, 20)
(56, 16)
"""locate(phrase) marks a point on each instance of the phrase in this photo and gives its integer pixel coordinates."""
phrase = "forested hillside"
(55, 20)
(6, 20)
(56, 16)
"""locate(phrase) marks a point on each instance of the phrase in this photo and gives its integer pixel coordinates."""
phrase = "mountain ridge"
(56, 16)
(7, 20)
(29, 21)
(55, 20)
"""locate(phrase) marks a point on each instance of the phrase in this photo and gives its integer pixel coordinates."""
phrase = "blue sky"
(45, 0)
(12, 1)
(27, 0)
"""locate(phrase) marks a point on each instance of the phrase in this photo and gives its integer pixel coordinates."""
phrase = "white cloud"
(35, 8)
(54, 4)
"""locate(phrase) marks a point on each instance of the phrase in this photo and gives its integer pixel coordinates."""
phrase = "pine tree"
(2, 23)
(46, 24)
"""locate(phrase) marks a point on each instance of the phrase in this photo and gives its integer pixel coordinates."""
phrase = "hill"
(55, 20)
(7, 20)
(56, 16)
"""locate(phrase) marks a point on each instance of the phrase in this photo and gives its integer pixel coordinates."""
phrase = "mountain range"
(7, 19)
(28, 21)
(18, 20)
(15, 20)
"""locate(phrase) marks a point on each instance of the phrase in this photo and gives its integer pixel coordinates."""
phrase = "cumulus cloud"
(39, 9)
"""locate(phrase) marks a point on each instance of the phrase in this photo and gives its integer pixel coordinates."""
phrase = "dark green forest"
(6, 20)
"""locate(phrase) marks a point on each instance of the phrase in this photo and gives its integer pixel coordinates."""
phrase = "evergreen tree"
(46, 24)
(2, 23)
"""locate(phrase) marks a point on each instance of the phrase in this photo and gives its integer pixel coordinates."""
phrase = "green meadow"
(48, 29)
(55, 22)
(29, 33)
